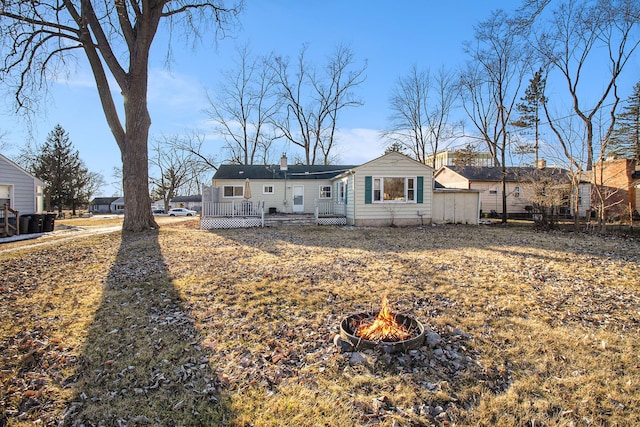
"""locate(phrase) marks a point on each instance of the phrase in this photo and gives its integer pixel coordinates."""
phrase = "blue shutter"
(420, 193)
(368, 189)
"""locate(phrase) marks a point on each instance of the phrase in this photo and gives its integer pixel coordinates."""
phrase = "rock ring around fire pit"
(348, 334)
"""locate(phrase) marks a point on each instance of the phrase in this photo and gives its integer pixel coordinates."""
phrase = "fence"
(328, 212)
(234, 214)
(330, 208)
(244, 208)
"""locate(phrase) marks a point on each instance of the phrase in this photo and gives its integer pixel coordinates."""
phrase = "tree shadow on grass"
(142, 363)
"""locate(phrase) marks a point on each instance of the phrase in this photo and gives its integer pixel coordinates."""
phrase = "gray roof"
(185, 199)
(103, 200)
(273, 171)
(514, 174)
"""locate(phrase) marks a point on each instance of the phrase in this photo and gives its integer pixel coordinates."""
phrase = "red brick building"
(617, 182)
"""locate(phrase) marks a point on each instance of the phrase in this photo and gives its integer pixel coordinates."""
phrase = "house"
(193, 202)
(283, 189)
(523, 185)
(18, 189)
(102, 205)
(117, 206)
(617, 181)
(390, 190)
(21, 194)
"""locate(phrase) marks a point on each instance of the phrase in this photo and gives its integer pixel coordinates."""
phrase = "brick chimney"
(283, 162)
(542, 163)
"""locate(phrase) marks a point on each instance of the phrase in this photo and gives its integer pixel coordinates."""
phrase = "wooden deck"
(245, 214)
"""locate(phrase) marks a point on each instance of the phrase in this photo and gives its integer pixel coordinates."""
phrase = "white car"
(181, 212)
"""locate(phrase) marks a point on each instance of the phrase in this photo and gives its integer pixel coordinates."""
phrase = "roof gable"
(397, 156)
(17, 167)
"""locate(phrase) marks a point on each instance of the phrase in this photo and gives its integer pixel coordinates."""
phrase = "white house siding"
(25, 191)
(491, 197)
(451, 179)
(455, 206)
(282, 197)
(385, 214)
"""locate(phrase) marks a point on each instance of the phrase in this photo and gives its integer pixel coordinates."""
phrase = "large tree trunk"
(135, 181)
(134, 150)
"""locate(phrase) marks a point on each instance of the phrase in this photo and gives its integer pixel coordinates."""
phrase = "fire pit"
(384, 330)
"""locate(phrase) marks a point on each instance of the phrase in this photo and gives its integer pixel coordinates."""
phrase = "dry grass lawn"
(184, 327)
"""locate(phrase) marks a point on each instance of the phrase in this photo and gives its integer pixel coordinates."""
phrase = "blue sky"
(391, 37)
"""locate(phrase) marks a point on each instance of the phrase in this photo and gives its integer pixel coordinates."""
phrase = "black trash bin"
(48, 222)
(35, 224)
(24, 224)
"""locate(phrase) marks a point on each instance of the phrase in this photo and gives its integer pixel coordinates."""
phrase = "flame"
(384, 326)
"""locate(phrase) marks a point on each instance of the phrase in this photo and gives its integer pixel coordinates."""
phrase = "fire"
(383, 327)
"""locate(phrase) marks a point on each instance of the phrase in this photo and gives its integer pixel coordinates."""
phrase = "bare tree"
(194, 144)
(421, 105)
(578, 36)
(571, 142)
(244, 109)
(547, 193)
(314, 100)
(491, 84)
(115, 37)
(174, 172)
(4, 145)
(408, 121)
(466, 156)
(581, 36)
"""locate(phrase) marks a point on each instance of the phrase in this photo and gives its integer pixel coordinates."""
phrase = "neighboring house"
(390, 190)
(190, 202)
(101, 205)
(117, 206)
(19, 190)
(520, 187)
(617, 180)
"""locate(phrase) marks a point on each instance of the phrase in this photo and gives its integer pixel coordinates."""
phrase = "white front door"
(298, 198)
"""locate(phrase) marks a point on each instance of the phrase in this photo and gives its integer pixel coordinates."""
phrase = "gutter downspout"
(353, 198)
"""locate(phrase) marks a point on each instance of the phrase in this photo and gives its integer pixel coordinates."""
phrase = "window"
(267, 189)
(516, 191)
(233, 191)
(394, 189)
(493, 191)
(340, 189)
(325, 191)
(5, 195)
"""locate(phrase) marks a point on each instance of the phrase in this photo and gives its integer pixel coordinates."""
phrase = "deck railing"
(9, 227)
(244, 208)
(330, 208)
